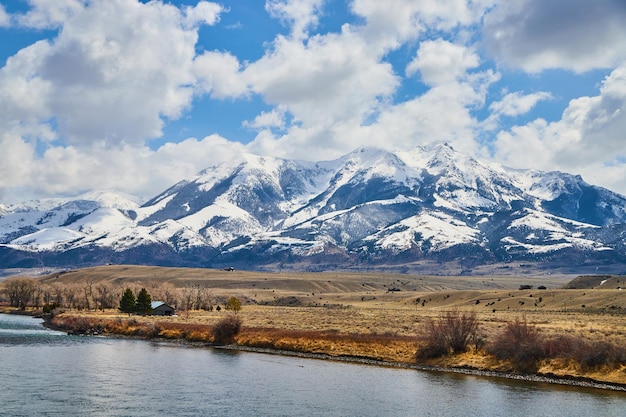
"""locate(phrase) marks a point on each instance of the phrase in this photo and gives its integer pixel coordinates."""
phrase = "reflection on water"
(50, 373)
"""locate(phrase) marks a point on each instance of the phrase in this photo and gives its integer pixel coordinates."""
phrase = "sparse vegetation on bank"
(519, 347)
(484, 323)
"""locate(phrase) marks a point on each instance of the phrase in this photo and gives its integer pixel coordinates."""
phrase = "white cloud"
(24, 96)
(338, 87)
(218, 74)
(440, 61)
(16, 170)
(517, 103)
(393, 22)
(202, 13)
(45, 14)
(267, 120)
(329, 78)
(589, 138)
(300, 15)
(133, 169)
(328, 86)
(115, 71)
(444, 112)
(5, 19)
(573, 34)
(91, 96)
(118, 70)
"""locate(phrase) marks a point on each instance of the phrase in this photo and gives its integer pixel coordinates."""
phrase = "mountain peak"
(369, 207)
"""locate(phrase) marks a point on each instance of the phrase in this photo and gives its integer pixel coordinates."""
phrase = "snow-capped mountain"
(370, 207)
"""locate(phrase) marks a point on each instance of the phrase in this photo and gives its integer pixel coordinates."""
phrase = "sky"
(134, 96)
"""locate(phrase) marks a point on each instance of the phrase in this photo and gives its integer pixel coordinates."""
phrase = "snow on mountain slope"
(436, 230)
(46, 239)
(111, 199)
(370, 205)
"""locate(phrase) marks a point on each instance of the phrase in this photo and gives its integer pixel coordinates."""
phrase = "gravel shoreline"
(550, 379)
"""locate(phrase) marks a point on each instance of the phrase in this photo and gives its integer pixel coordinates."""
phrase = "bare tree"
(105, 297)
(187, 297)
(168, 294)
(70, 296)
(20, 291)
(47, 294)
(88, 293)
(58, 290)
(38, 295)
(208, 300)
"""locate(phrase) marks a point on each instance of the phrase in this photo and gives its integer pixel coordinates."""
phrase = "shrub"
(233, 304)
(49, 308)
(451, 333)
(591, 355)
(520, 343)
(225, 330)
(587, 354)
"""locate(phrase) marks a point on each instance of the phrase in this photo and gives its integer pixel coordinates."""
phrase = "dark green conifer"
(144, 303)
(127, 302)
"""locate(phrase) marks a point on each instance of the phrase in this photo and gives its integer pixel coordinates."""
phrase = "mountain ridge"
(369, 208)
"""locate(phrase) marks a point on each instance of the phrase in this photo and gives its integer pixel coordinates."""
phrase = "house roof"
(157, 304)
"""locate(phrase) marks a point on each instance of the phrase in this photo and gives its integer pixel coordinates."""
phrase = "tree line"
(21, 292)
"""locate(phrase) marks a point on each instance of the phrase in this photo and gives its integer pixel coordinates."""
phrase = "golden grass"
(350, 314)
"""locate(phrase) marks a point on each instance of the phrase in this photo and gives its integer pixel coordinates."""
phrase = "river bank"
(372, 349)
(581, 329)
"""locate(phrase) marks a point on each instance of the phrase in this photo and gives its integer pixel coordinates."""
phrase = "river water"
(47, 373)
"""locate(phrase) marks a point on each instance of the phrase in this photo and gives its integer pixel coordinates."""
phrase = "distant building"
(159, 308)
(525, 287)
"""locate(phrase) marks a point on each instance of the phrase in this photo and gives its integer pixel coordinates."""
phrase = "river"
(48, 373)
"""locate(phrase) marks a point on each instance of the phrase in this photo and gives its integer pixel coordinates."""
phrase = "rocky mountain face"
(368, 209)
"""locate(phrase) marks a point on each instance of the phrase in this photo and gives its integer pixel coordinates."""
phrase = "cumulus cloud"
(573, 34)
(16, 170)
(218, 74)
(49, 14)
(390, 23)
(202, 13)
(134, 169)
(267, 120)
(329, 78)
(340, 89)
(103, 78)
(5, 19)
(80, 108)
(589, 138)
(76, 110)
(517, 103)
(299, 15)
(440, 61)
(24, 96)
(444, 112)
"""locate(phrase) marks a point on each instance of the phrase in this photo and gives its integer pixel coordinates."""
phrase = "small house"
(159, 308)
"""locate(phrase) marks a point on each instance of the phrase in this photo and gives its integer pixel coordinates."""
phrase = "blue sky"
(135, 96)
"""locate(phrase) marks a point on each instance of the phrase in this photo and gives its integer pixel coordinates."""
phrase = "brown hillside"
(597, 282)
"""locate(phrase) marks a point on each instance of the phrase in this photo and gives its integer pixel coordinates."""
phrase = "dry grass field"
(378, 315)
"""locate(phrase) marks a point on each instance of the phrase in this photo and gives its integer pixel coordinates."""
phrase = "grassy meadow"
(368, 315)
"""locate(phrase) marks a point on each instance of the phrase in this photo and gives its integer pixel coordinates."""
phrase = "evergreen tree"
(127, 302)
(144, 302)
